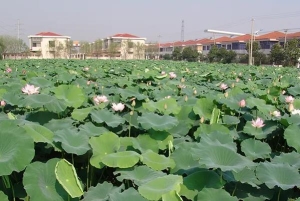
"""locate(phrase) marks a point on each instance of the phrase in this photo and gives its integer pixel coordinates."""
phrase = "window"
(208, 48)
(33, 44)
(228, 47)
(204, 47)
(224, 46)
(51, 43)
(36, 44)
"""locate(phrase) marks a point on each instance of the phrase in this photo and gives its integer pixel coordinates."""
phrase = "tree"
(97, 50)
(127, 48)
(176, 54)
(112, 49)
(69, 49)
(139, 50)
(85, 47)
(229, 57)
(221, 55)
(151, 50)
(212, 55)
(277, 54)
(292, 52)
(190, 54)
(255, 49)
(11, 44)
(167, 57)
(2, 47)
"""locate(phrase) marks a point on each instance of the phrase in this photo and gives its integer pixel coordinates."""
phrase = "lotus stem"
(238, 118)
(72, 159)
(87, 172)
(233, 192)
(278, 197)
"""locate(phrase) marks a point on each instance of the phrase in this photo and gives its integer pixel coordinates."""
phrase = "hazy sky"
(92, 19)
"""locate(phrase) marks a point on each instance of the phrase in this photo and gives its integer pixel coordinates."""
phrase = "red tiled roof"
(47, 34)
(275, 35)
(217, 40)
(293, 35)
(243, 38)
(125, 35)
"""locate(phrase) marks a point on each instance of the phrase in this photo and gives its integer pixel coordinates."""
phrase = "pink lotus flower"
(276, 114)
(163, 73)
(2, 103)
(100, 99)
(296, 111)
(88, 82)
(223, 86)
(8, 70)
(258, 123)
(289, 99)
(118, 107)
(30, 89)
(242, 103)
(172, 75)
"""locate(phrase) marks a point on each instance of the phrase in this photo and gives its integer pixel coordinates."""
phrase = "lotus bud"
(165, 106)
(268, 91)
(202, 120)
(185, 98)
(237, 79)
(133, 103)
(226, 94)
(291, 107)
(208, 80)
(232, 85)
(182, 79)
(195, 92)
(283, 92)
(131, 113)
(2, 103)
(242, 103)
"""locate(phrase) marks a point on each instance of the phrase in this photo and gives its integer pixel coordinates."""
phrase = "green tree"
(97, 48)
(292, 52)
(277, 54)
(176, 54)
(112, 49)
(85, 47)
(229, 57)
(139, 50)
(167, 57)
(255, 50)
(2, 47)
(212, 55)
(11, 44)
(190, 54)
(151, 50)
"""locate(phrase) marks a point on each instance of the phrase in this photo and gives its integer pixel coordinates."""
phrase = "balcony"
(35, 49)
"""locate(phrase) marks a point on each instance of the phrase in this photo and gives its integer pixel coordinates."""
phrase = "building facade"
(49, 45)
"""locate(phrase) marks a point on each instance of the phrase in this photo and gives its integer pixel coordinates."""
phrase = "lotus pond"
(148, 130)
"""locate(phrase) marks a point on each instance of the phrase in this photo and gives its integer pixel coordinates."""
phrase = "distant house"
(48, 45)
(124, 46)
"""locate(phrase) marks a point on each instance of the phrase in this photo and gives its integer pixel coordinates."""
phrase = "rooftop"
(47, 34)
(125, 35)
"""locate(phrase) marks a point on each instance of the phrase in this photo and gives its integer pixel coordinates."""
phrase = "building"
(124, 46)
(48, 45)
(237, 43)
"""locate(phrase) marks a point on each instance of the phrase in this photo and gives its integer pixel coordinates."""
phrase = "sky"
(156, 20)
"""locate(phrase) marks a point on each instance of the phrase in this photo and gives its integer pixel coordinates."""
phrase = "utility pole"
(18, 35)
(159, 36)
(285, 33)
(251, 43)
(182, 31)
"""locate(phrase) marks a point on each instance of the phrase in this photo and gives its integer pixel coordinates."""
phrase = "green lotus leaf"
(196, 181)
(295, 91)
(144, 143)
(247, 176)
(215, 116)
(208, 129)
(215, 195)
(138, 174)
(163, 138)
(168, 106)
(40, 182)
(156, 161)
(41, 82)
(132, 119)
(204, 108)
(42, 100)
(12, 98)
(72, 141)
(123, 159)
(292, 159)
(101, 192)
(260, 133)
(66, 175)
(171, 196)
(71, 94)
(157, 122)
(156, 188)
(40, 134)
(182, 129)
(91, 130)
(255, 149)
(218, 138)
(281, 175)
(102, 145)
(16, 148)
(128, 194)
(260, 105)
(183, 158)
(291, 134)
(81, 114)
(59, 124)
(131, 92)
(221, 156)
(230, 120)
(186, 114)
(3, 197)
(65, 77)
(112, 120)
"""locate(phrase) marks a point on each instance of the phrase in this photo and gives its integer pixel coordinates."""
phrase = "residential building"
(124, 46)
(48, 45)
(267, 41)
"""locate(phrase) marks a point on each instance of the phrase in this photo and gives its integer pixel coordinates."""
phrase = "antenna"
(182, 31)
